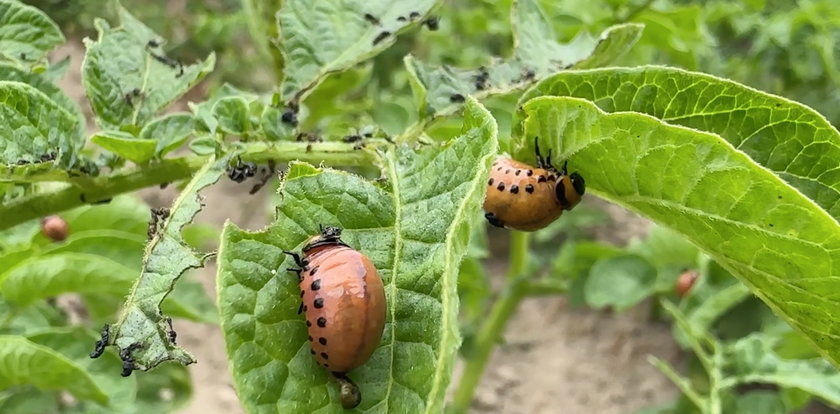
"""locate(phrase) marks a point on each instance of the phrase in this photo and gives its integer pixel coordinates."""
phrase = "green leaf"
(126, 84)
(786, 137)
(126, 145)
(415, 228)
(620, 281)
(124, 213)
(232, 114)
(26, 33)
(752, 360)
(167, 258)
(46, 85)
(23, 362)
(764, 402)
(121, 247)
(74, 344)
(32, 125)
(536, 55)
(28, 400)
(334, 36)
(189, 301)
(47, 276)
(765, 232)
(169, 131)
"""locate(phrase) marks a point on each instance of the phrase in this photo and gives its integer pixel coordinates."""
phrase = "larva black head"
(330, 235)
(578, 183)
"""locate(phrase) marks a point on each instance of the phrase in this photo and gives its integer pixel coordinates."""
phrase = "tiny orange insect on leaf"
(54, 228)
(685, 281)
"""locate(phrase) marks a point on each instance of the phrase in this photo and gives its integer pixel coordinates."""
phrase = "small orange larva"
(527, 198)
(344, 305)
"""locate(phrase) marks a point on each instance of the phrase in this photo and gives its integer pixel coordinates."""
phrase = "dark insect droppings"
(289, 117)
(380, 37)
(457, 98)
(401, 19)
(432, 23)
(371, 18)
(413, 15)
(322, 321)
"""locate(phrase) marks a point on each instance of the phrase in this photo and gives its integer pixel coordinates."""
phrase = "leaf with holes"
(439, 90)
(767, 233)
(26, 33)
(786, 137)
(415, 228)
(129, 78)
(167, 258)
(334, 35)
(23, 362)
(33, 126)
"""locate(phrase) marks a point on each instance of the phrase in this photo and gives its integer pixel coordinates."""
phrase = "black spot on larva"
(507, 171)
(326, 365)
(316, 284)
(501, 187)
(530, 173)
(300, 308)
(322, 340)
(308, 323)
(310, 339)
(541, 179)
(302, 292)
(517, 172)
(312, 351)
(319, 303)
(314, 269)
(324, 355)
(490, 181)
(514, 189)
(322, 321)
(551, 178)
(305, 308)
(499, 169)
(529, 188)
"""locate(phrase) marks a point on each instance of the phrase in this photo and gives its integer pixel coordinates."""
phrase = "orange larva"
(343, 300)
(685, 282)
(523, 197)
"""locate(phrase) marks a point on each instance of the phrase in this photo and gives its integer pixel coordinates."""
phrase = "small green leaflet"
(26, 33)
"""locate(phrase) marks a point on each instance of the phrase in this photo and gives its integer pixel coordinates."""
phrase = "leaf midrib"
(395, 191)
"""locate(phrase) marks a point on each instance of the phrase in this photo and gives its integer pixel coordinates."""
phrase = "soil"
(554, 359)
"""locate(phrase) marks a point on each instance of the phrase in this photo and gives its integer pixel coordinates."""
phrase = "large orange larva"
(343, 302)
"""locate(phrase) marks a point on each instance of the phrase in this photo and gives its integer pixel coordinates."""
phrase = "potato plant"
(743, 181)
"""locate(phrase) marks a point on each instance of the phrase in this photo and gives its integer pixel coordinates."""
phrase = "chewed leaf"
(23, 362)
(167, 258)
(765, 232)
(128, 76)
(34, 128)
(317, 39)
(788, 138)
(439, 90)
(26, 33)
(415, 228)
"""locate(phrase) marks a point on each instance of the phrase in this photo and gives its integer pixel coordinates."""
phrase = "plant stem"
(514, 291)
(87, 189)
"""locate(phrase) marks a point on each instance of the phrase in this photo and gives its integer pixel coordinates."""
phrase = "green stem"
(514, 291)
(715, 383)
(93, 189)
